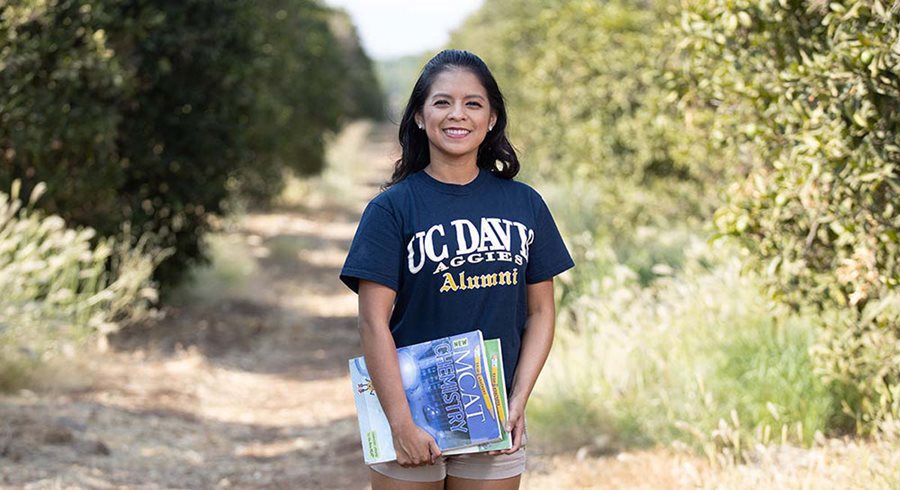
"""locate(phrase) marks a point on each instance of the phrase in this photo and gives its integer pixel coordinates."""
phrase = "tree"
(812, 90)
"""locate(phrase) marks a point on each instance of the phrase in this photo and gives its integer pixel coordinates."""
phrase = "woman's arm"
(413, 445)
(536, 342)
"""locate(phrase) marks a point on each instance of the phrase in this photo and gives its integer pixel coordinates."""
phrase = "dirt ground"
(243, 383)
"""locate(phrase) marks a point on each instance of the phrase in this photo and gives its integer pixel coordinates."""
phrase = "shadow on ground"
(68, 440)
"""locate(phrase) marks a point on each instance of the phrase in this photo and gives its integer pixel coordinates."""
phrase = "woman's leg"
(382, 482)
(455, 483)
(482, 471)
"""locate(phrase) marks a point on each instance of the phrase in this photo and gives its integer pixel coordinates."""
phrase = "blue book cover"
(494, 355)
(448, 387)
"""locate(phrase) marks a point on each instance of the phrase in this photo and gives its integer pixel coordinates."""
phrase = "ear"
(493, 119)
(418, 120)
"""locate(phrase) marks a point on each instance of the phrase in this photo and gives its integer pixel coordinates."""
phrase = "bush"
(858, 356)
(308, 76)
(362, 96)
(62, 87)
(132, 112)
(702, 357)
(58, 290)
(810, 91)
(154, 112)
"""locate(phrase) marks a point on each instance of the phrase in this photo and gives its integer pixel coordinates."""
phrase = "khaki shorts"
(475, 466)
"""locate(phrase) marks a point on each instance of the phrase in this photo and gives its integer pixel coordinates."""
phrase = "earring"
(490, 128)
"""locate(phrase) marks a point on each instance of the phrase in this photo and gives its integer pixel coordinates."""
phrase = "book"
(449, 393)
(494, 355)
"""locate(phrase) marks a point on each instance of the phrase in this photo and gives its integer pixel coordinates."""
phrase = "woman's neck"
(453, 173)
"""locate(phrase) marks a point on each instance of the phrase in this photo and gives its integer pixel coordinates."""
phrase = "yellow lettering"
(463, 283)
(448, 283)
(473, 282)
(489, 280)
(505, 278)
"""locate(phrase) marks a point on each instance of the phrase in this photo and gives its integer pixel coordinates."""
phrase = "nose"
(458, 112)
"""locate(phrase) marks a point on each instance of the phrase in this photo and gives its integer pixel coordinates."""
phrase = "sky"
(392, 28)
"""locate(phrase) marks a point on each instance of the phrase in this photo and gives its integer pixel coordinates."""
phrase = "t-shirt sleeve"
(547, 255)
(376, 250)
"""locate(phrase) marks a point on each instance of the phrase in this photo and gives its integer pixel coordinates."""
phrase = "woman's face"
(456, 115)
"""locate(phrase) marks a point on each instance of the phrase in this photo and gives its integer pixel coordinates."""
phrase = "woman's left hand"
(515, 423)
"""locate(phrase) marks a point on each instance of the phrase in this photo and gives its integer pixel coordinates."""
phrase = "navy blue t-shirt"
(458, 256)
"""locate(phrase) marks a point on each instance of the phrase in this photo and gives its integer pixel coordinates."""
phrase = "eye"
(475, 104)
(439, 102)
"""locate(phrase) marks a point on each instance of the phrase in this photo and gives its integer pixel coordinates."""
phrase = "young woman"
(451, 245)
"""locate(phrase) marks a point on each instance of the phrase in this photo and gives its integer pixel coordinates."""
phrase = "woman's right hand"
(414, 446)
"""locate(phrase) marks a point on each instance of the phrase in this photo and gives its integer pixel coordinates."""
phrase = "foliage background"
(158, 113)
(725, 171)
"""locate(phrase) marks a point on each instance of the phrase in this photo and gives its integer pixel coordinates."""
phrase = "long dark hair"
(495, 148)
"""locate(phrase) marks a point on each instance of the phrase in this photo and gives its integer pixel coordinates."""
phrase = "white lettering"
(491, 241)
(463, 247)
(523, 238)
(468, 401)
(441, 267)
(429, 244)
(488, 236)
(413, 267)
(505, 236)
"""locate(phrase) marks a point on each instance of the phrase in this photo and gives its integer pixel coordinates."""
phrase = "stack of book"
(456, 392)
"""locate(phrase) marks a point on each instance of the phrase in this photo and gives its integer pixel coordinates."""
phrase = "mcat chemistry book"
(449, 391)
(494, 355)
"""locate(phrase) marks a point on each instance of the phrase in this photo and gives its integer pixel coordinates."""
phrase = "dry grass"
(834, 464)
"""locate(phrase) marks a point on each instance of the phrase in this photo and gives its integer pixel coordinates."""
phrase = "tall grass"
(59, 290)
(699, 357)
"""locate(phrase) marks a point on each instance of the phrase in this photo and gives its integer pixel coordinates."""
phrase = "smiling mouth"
(457, 133)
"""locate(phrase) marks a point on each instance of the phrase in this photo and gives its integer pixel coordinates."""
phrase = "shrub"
(130, 112)
(810, 90)
(701, 357)
(58, 290)
(154, 113)
(299, 77)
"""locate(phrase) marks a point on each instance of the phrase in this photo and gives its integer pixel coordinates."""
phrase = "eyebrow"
(470, 96)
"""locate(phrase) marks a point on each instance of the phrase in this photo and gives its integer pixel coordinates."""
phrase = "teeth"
(457, 132)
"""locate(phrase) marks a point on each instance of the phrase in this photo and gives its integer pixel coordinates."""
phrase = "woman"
(451, 245)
